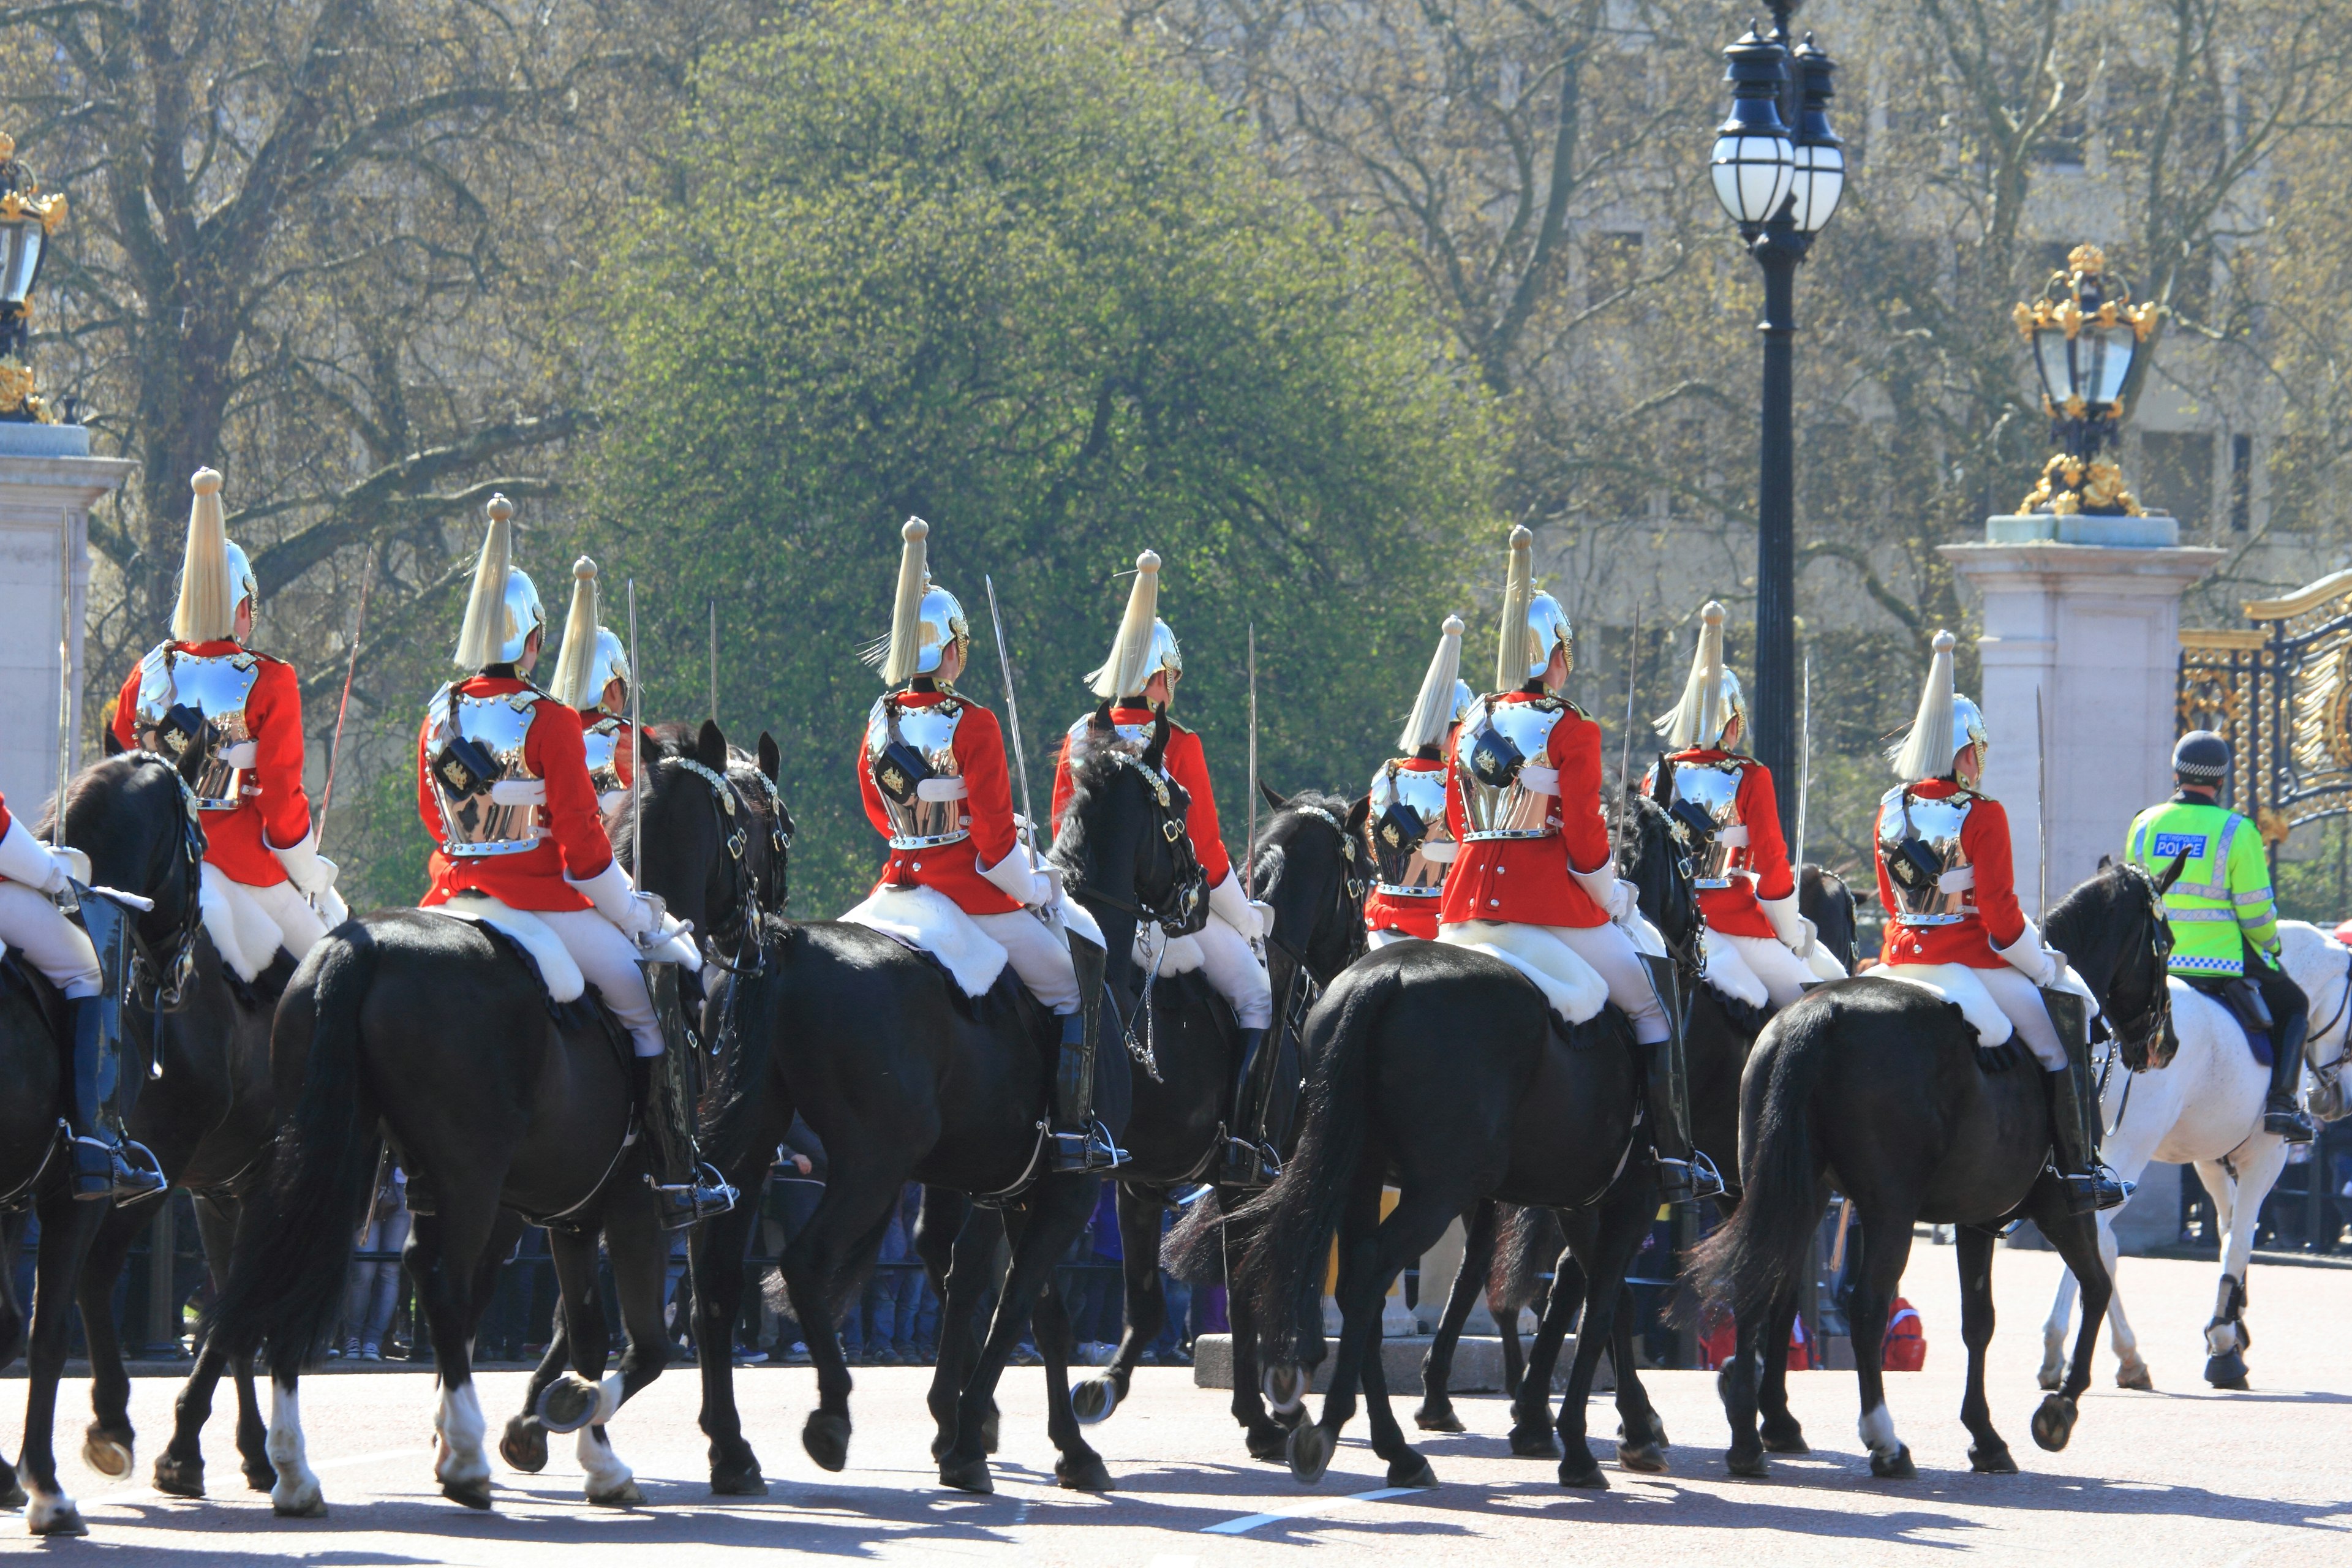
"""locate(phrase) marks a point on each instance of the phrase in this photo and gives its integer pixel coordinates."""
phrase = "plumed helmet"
(1945, 725)
(242, 585)
(610, 663)
(1533, 623)
(1463, 698)
(1144, 646)
(2201, 757)
(924, 618)
(1711, 698)
(503, 610)
(1440, 697)
(592, 656)
(215, 575)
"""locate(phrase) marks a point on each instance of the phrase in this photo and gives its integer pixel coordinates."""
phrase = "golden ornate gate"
(2281, 693)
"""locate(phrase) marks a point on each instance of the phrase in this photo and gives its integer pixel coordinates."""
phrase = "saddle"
(2243, 1000)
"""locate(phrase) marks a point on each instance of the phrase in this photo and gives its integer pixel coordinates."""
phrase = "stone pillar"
(2084, 614)
(48, 482)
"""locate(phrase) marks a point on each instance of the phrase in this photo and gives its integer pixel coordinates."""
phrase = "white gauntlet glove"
(310, 872)
(25, 859)
(616, 900)
(2030, 959)
(1226, 902)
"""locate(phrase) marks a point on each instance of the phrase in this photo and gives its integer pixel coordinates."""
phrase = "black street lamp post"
(1782, 188)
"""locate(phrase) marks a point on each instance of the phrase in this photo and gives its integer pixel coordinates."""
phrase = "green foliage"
(984, 261)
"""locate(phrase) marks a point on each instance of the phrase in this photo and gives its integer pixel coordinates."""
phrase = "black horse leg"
(1436, 1412)
(1779, 1428)
(1641, 1436)
(2076, 1237)
(716, 1254)
(957, 1242)
(1266, 1434)
(638, 1249)
(1407, 1468)
(442, 1254)
(1625, 1215)
(1531, 1417)
(523, 1444)
(1058, 1207)
(1886, 1248)
(67, 1229)
(107, 1445)
(1076, 1464)
(822, 1263)
(1988, 1453)
(216, 1221)
(1146, 1310)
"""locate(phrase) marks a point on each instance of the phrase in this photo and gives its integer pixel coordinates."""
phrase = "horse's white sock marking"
(43, 1509)
(1877, 1429)
(608, 1400)
(459, 1423)
(607, 1476)
(297, 1490)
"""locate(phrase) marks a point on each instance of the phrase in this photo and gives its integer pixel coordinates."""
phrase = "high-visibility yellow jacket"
(2221, 905)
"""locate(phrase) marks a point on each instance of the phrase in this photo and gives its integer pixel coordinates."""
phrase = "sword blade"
(2041, 806)
(1805, 766)
(636, 746)
(1249, 846)
(1011, 711)
(343, 707)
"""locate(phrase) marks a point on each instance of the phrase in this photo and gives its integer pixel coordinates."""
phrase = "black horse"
(1445, 1071)
(432, 1030)
(1309, 865)
(1717, 1038)
(1874, 1086)
(904, 1079)
(131, 814)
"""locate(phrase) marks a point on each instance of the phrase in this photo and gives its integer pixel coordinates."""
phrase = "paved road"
(2177, 1477)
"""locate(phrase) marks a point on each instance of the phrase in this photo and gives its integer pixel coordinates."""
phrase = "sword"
(2041, 803)
(1626, 742)
(1804, 765)
(1249, 846)
(1011, 712)
(636, 746)
(335, 747)
(64, 696)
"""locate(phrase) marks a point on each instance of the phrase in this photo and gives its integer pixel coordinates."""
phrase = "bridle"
(2327, 1076)
(740, 926)
(1347, 904)
(163, 975)
(1188, 889)
(1690, 953)
(2140, 1034)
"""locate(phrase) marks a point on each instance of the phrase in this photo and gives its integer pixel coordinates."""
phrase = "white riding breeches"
(1232, 967)
(608, 961)
(1387, 938)
(2021, 1000)
(1613, 956)
(1784, 974)
(298, 925)
(1037, 956)
(51, 944)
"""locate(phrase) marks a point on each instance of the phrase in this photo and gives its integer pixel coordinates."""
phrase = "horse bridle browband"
(166, 979)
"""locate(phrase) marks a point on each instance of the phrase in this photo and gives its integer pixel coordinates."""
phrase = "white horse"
(2206, 1108)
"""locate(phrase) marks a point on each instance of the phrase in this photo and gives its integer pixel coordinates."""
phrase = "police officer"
(2224, 920)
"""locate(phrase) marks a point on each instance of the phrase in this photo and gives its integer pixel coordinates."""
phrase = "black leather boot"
(1248, 1162)
(1684, 1175)
(106, 1165)
(2075, 1119)
(685, 1190)
(2281, 1114)
(1075, 1140)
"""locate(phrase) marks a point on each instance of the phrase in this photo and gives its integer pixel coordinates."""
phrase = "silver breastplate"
(1502, 754)
(489, 798)
(603, 741)
(196, 702)
(916, 772)
(1411, 843)
(1714, 788)
(1920, 846)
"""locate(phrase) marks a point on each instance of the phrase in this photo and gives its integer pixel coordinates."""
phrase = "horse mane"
(1092, 769)
(102, 774)
(2079, 924)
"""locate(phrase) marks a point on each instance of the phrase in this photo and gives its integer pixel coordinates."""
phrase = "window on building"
(2241, 483)
(2175, 474)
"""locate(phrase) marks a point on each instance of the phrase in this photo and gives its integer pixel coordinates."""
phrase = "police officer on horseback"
(932, 771)
(1412, 845)
(2224, 920)
(502, 785)
(1523, 798)
(1946, 878)
(1138, 677)
(591, 674)
(231, 719)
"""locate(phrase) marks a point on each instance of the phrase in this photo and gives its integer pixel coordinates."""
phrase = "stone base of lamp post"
(48, 482)
(2081, 618)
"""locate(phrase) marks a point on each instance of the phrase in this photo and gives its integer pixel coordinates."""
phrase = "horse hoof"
(1411, 1470)
(2051, 1377)
(312, 1507)
(1895, 1467)
(1582, 1469)
(260, 1475)
(1751, 1467)
(180, 1478)
(826, 1439)
(1093, 1400)
(2135, 1376)
(1309, 1452)
(1267, 1442)
(567, 1404)
(1787, 1440)
(14, 1498)
(110, 1457)
(625, 1495)
(1286, 1387)
(1533, 1443)
(968, 1476)
(473, 1494)
(1992, 1460)
(1083, 1474)
(2227, 1371)
(989, 1426)
(524, 1447)
(739, 1480)
(2054, 1423)
(60, 1518)
(1437, 1418)
(1643, 1459)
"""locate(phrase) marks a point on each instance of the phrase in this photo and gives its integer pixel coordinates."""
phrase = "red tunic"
(1525, 880)
(1992, 918)
(573, 838)
(4, 819)
(273, 803)
(1734, 910)
(987, 809)
(1413, 917)
(1187, 764)
(624, 744)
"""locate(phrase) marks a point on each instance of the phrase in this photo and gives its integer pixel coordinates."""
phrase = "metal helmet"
(1711, 698)
(503, 610)
(608, 664)
(1946, 724)
(1967, 729)
(242, 585)
(1463, 698)
(2201, 757)
(1144, 646)
(924, 618)
(1533, 624)
(1547, 628)
(1163, 654)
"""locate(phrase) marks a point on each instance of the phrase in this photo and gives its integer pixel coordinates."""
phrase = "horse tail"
(1291, 1224)
(1766, 1250)
(294, 1241)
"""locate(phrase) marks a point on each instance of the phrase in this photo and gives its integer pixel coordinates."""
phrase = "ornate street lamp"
(27, 218)
(1782, 188)
(2085, 333)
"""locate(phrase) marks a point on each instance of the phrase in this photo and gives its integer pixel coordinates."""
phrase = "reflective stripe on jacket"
(2223, 894)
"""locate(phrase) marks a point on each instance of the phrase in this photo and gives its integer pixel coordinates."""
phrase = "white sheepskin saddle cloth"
(1956, 983)
(1573, 988)
(557, 967)
(247, 937)
(928, 921)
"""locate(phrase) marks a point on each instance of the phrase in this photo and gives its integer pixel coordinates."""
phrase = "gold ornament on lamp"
(2086, 335)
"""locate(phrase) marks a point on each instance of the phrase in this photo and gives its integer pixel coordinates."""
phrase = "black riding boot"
(2281, 1114)
(1684, 1175)
(684, 1189)
(2074, 1121)
(1075, 1140)
(105, 1163)
(1248, 1161)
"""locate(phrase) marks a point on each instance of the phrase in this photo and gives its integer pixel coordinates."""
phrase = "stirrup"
(1687, 1181)
(1248, 1164)
(1072, 1154)
(121, 1172)
(707, 1196)
(2088, 1192)
(2287, 1123)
